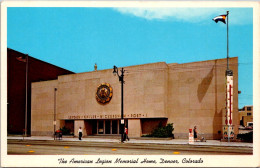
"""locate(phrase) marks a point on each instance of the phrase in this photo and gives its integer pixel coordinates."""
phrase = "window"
(249, 114)
(107, 126)
(250, 124)
(114, 126)
(100, 126)
(249, 108)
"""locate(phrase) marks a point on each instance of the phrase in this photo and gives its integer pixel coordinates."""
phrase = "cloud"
(194, 15)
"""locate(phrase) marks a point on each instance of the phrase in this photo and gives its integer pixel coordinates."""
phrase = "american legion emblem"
(104, 93)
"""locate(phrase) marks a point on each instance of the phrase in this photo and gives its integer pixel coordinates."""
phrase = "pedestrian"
(59, 134)
(80, 133)
(195, 133)
(126, 134)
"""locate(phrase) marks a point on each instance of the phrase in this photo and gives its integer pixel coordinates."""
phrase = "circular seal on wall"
(104, 93)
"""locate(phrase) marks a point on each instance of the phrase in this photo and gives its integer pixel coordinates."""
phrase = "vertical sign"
(229, 100)
(228, 129)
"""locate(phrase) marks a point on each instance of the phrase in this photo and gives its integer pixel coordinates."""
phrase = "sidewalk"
(139, 141)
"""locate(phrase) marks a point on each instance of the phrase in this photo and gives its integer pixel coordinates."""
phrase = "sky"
(77, 38)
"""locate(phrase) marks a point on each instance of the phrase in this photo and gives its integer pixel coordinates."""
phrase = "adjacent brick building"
(246, 116)
(16, 87)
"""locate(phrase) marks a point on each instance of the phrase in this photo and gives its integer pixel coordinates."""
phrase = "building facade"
(246, 116)
(16, 87)
(183, 94)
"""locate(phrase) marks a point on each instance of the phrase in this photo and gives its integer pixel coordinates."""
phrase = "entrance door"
(107, 126)
(101, 127)
(114, 127)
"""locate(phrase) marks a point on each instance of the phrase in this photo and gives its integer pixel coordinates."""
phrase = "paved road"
(15, 147)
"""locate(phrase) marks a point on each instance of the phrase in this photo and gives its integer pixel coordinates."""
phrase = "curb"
(181, 147)
(138, 143)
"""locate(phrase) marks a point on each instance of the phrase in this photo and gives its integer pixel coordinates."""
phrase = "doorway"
(105, 127)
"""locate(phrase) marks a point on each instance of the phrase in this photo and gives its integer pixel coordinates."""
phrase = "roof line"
(40, 60)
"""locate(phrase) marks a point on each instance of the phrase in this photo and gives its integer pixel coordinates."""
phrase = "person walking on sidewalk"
(80, 133)
(126, 134)
(195, 133)
(59, 134)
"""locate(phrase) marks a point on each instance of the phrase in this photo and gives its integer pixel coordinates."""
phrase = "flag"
(221, 18)
(21, 58)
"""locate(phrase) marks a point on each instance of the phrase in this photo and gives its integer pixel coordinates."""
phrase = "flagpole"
(228, 73)
(227, 41)
(229, 86)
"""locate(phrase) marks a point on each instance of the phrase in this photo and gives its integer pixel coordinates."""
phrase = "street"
(29, 147)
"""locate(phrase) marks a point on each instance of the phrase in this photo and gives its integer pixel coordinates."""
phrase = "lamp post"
(25, 58)
(54, 117)
(121, 79)
(26, 95)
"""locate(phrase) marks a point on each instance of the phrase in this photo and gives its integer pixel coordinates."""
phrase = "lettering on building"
(110, 116)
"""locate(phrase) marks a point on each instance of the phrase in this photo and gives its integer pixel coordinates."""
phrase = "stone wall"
(197, 97)
(184, 94)
(43, 108)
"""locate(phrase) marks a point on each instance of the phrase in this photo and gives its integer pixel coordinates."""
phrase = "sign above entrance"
(104, 93)
(111, 116)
